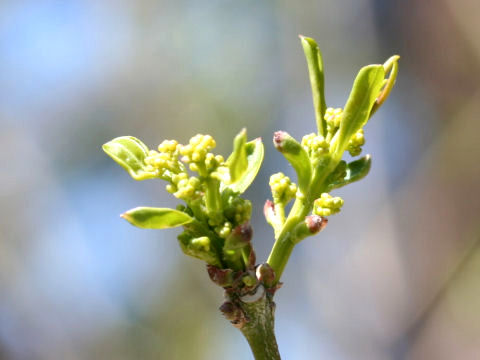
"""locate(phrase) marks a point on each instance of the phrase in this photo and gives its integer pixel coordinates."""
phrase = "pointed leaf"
(130, 153)
(237, 161)
(156, 218)
(365, 91)
(391, 65)
(315, 70)
(255, 152)
(356, 170)
(296, 156)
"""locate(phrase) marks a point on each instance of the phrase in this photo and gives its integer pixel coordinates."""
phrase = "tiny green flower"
(283, 190)
(327, 205)
(356, 142)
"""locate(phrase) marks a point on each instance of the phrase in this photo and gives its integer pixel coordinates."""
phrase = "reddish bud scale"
(316, 223)
(265, 274)
(269, 212)
(233, 313)
(221, 277)
(244, 232)
(278, 138)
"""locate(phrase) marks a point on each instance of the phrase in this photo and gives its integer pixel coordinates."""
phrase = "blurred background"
(394, 276)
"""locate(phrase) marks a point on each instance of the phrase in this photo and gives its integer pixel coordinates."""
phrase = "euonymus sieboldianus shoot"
(214, 216)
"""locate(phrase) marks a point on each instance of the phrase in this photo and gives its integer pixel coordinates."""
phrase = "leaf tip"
(126, 216)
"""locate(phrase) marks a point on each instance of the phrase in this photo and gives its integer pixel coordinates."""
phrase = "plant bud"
(239, 237)
(221, 277)
(296, 156)
(316, 223)
(265, 274)
(312, 225)
(249, 280)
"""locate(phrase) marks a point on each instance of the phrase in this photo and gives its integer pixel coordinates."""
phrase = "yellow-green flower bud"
(315, 145)
(327, 205)
(236, 209)
(184, 187)
(197, 148)
(168, 146)
(224, 230)
(356, 142)
(283, 190)
(212, 162)
(166, 160)
(333, 117)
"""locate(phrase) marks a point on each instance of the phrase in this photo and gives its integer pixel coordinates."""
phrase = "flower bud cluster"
(197, 148)
(283, 189)
(356, 142)
(327, 205)
(315, 145)
(165, 161)
(200, 160)
(185, 188)
(215, 218)
(223, 230)
(333, 117)
(237, 210)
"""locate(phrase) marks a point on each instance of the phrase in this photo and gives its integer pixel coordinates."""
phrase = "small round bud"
(265, 274)
(327, 205)
(315, 145)
(355, 143)
(283, 190)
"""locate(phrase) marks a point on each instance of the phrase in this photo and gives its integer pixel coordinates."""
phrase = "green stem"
(283, 247)
(213, 200)
(259, 328)
(280, 212)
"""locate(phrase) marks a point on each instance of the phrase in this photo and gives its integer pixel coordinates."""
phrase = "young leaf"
(365, 91)
(255, 152)
(130, 153)
(315, 70)
(156, 218)
(296, 156)
(237, 161)
(391, 65)
(356, 170)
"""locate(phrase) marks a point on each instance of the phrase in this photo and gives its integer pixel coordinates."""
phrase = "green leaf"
(130, 153)
(365, 91)
(156, 218)
(296, 156)
(237, 161)
(255, 152)
(391, 65)
(356, 170)
(317, 81)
